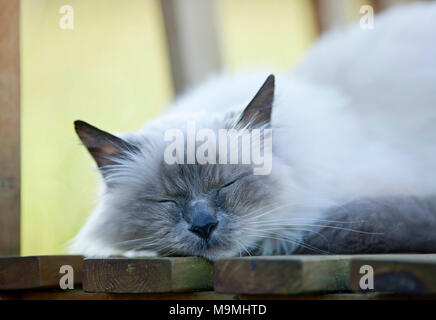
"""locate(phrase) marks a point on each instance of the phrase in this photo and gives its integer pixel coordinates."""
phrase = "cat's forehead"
(189, 178)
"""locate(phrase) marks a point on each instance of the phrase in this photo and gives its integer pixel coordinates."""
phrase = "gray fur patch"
(393, 225)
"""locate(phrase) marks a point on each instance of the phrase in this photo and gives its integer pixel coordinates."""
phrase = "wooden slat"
(396, 276)
(204, 295)
(380, 5)
(282, 275)
(140, 275)
(9, 128)
(399, 274)
(36, 271)
(192, 41)
(82, 295)
(330, 13)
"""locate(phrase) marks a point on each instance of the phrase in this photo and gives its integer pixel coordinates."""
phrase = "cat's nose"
(201, 217)
(203, 226)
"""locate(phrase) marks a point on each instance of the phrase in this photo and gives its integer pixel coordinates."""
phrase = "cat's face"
(208, 210)
(200, 210)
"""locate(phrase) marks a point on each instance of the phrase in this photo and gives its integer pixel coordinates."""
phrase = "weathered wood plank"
(399, 274)
(337, 296)
(283, 275)
(140, 275)
(78, 294)
(9, 128)
(37, 271)
(82, 295)
(329, 13)
(202, 295)
(380, 5)
(192, 39)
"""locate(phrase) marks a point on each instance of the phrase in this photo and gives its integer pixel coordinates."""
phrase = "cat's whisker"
(254, 216)
(132, 240)
(253, 213)
(301, 229)
(278, 237)
(315, 232)
(239, 247)
(314, 219)
(155, 247)
(293, 229)
(301, 243)
(286, 224)
(170, 252)
(295, 241)
(243, 247)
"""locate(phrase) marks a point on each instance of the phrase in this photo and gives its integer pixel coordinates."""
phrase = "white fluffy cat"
(355, 119)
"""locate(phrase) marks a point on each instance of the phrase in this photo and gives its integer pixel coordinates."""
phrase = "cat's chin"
(214, 254)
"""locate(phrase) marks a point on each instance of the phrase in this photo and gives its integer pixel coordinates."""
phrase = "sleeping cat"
(353, 157)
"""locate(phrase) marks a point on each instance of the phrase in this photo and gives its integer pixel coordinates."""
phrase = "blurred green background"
(112, 70)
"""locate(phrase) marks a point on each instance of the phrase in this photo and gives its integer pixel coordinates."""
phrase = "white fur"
(356, 118)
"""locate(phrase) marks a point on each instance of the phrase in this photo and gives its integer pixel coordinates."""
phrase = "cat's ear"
(104, 147)
(258, 111)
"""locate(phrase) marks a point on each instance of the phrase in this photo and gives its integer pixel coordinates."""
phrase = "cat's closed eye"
(167, 201)
(220, 192)
(171, 207)
(228, 184)
(232, 182)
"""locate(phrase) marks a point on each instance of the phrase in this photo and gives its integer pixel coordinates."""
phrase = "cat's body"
(355, 120)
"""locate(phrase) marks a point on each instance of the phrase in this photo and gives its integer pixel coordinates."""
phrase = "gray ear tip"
(79, 124)
(271, 78)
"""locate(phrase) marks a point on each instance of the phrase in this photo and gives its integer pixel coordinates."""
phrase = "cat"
(353, 157)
